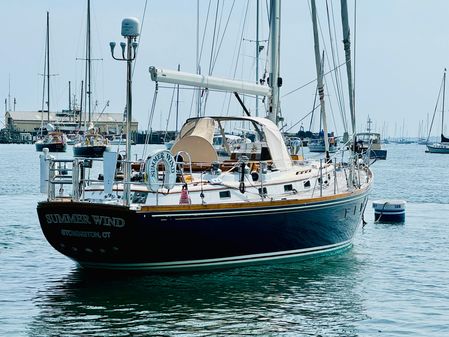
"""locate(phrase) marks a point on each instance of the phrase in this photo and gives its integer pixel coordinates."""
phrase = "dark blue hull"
(378, 154)
(437, 149)
(389, 217)
(114, 237)
(88, 151)
(52, 147)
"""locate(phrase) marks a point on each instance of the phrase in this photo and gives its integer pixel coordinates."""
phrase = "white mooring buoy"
(389, 210)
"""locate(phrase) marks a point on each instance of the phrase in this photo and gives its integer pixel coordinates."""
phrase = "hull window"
(288, 188)
(225, 194)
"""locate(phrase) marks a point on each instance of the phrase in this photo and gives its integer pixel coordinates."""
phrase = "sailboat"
(443, 146)
(191, 210)
(54, 141)
(92, 144)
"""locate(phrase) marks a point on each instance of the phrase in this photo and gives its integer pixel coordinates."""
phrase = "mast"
(198, 67)
(44, 77)
(81, 106)
(257, 55)
(89, 65)
(347, 47)
(177, 102)
(442, 108)
(320, 85)
(275, 80)
(70, 98)
(48, 67)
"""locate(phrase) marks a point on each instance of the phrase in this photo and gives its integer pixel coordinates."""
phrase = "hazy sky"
(402, 47)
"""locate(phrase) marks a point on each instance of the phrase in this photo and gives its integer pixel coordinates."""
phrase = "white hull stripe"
(252, 211)
(386, 212)
(244, 259)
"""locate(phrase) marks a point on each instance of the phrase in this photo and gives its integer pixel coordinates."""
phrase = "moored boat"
(234, 212)
(54, 141)
(443, 145)
(188, 209)
(92, 143)
(370, 142)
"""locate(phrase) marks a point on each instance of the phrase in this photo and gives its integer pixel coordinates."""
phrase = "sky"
(401, 49)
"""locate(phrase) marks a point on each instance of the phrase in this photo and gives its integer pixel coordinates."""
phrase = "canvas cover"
(196, 139)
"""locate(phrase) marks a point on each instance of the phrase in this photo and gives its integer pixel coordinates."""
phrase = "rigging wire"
(309, 113)
(169, 112)
(139, 37)
(355, 41)
(332, 111)
(213, 38)
(338, 93)
(215, 58)
(199, 53)
(435, 110)
(150, 120)
(312, 81)
(214, 35)
(313, 108)
(337, 78)
(204, 32)
(237, 56)
(224, 32)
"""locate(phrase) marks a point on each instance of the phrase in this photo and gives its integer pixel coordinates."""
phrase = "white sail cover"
(275, 142)
(201, 133)
(210, 82)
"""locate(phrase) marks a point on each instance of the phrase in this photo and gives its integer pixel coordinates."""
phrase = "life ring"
(152, 172)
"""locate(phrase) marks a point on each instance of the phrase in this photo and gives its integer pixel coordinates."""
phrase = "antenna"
(130, 31)
(9, 92)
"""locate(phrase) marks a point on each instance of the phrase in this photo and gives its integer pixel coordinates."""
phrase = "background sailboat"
(54, 141)
(93, 144)
(443, 146)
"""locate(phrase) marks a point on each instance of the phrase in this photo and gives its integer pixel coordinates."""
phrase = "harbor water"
(392, 282)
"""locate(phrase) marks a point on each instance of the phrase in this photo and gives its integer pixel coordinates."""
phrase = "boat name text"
(85, 219)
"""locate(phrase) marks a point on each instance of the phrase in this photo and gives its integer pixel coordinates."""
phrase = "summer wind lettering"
(85, 219)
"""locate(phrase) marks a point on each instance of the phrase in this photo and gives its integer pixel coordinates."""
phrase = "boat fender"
(152, 172)
(185, 198)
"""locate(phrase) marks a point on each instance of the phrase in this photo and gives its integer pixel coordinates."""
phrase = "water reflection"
(312, 297)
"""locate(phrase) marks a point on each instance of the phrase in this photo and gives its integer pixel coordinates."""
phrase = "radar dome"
(130, 27)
